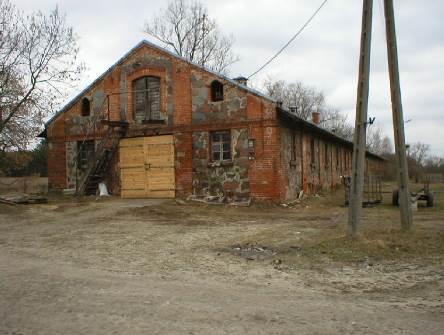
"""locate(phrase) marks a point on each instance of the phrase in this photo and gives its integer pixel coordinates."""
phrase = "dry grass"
(314, 232)
(380, 236)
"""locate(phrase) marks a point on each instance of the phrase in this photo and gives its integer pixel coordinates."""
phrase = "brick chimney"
(316, 117)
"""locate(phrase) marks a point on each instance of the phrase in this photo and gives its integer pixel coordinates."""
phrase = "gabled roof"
(281, 112)
(165, 51)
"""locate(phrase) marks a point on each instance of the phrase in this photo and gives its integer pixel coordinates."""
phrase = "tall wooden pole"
(358, 161)
(398, 118)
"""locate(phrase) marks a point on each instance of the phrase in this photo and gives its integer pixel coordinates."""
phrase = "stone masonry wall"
(228, 180)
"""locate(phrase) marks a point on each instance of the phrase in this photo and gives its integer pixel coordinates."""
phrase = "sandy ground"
(160, 267)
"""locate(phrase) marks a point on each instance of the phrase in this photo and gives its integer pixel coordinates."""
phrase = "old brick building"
(157, 125)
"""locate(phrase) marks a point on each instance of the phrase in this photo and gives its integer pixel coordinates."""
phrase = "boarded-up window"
(146, 99)
(217, 91)
(312, 151)
(85, 154)
(220, 145)
(337, 158)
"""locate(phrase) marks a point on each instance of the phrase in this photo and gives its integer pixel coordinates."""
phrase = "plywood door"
(147, 167)
(159, 155)
(132, 168)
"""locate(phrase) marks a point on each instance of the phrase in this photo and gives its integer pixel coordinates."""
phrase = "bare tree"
(387, 146)
(38, 58)
(185, 28)
(377, 142)
(304, 98)
(419, 152)
(435, 164)
(336, 122)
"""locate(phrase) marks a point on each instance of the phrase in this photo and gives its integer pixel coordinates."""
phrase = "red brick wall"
(264, 172)
(182, 94)
(56, 154)
(56, 164)
(265, 183)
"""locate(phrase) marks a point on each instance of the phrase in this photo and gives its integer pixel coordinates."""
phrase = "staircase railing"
(99, 159)
(97, 128)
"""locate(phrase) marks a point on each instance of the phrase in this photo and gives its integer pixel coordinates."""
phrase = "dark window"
(326, 160)
(220, 145)
(337, 157)
(86, 107)
(146, 99)
(312, 151)
(251, 148)
(85, 150)
(293, 145)
(217, 91)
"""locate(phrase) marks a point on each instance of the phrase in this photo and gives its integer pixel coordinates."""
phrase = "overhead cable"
(291, 40)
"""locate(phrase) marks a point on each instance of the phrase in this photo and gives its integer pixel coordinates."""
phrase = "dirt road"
(160, 267)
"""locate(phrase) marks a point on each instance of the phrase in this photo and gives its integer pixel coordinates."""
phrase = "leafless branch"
(186, 29)
(38, 59)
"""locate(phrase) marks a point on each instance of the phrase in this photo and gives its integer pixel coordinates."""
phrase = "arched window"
(217, 91)
(86, 107)
(146, 102)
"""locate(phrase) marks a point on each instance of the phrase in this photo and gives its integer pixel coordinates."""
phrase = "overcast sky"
(324, 56)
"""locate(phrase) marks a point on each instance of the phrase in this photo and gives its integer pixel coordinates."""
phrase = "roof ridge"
(324, 130)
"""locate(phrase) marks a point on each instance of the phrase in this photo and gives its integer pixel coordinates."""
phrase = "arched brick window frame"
(146, 72)
(146, 99)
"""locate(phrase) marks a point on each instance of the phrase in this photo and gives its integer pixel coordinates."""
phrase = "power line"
(291, 40)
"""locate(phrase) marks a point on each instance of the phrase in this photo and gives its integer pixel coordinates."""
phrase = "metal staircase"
(103, 155)
(111, 132)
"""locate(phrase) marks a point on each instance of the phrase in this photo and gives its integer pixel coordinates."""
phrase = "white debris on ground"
(103, 190)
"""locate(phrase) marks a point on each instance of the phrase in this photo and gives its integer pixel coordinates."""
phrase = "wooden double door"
(147, 167)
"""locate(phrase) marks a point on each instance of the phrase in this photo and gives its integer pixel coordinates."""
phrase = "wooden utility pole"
(359, 145)
(398, 118)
